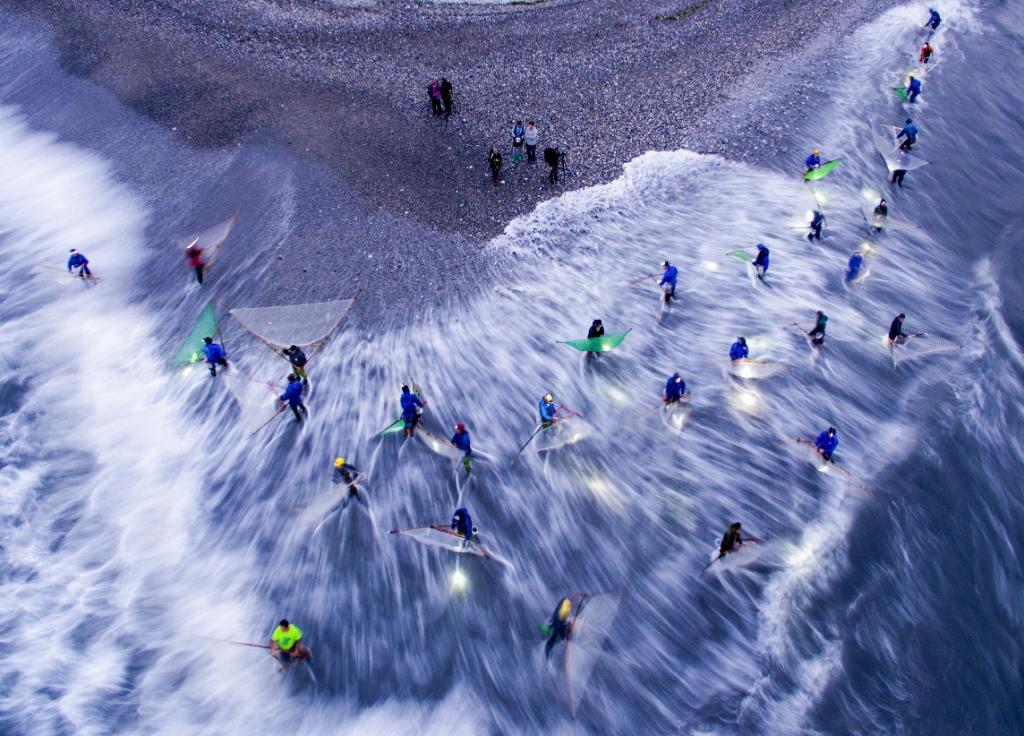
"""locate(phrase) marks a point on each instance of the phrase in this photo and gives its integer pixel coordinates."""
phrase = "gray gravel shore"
(342, 89)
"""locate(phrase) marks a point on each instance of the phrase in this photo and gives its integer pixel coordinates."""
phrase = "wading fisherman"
(827, 443)
(853, 267)
(933, 20)
(298, 360)
(817, 334)
(293, 395)
(812, 162)
(194, 259)
(816, 224)
(668, 280)
(596, 330)
(761, 262)
(411, 409)
(546, 407)
(286, 643)
(675, 389)
(730, 540)
(896, 333)
(215, 355)
(881, 210)
(462, 525)
(77, 260)
(913, 89)
(346, 473)
(557, 628)
(739, 351)
(926, 52)
(461, 441)
(909, 131)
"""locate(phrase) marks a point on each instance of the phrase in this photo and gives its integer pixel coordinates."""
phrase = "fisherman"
(77, 260)
(812, 162)
(909, 131)
(761, 262)
(896, 333)
(817, 335)
(827, 443)
(816, 224)
(675, 389)
(881, 210)
(412, 407)
(345, 472)
(445, 89)
(731, 539)
(518, 134)
(853, 267)
(286, 643)
(215, 355)
(596, 330)
(194, 258)
(933, 20)
(926, 52)
(298, 360)
(461, 440)
(557, 629)
(668, 279)
(739, 351)
(293, 395)
(913, 89)
(462, 525)
(546, 406)
(897, 176)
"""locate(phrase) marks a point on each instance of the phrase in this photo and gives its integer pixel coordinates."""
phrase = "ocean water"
(145, 529)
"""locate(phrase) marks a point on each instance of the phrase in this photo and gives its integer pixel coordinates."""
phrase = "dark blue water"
(140, 517)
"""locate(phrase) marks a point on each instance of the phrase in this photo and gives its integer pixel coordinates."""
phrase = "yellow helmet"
(339, 462)
(549, 398)
(564, 609)
(816, 151)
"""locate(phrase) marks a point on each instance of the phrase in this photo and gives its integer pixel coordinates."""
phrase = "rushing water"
(140, 517)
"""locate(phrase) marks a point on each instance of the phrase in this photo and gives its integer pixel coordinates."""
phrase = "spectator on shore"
(517, 141)
(434, 92)
(531, 142)
(494, 161)
(445, 88)
(551, 158)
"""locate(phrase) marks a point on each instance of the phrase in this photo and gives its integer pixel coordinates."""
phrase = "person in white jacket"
(531, 142)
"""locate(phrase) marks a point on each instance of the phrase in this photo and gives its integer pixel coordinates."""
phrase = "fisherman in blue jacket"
(462, 524)
(669, 279)
(411, 407)
(761, 262)
(853, 267)
(461, 440)
(77, 260)
(816, 224)
(913, 89)
(215, 355)
(827, 443)
(933, 20)
(546, 406)
(739, 351)
(812, 162)
(909, 131)
(293, 395)
(674, 389)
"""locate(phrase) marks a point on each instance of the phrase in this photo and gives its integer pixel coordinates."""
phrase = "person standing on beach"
(434, 92)
(494, 161)
(531, 142)
(517, 141)
(551, 159)
(445, 89)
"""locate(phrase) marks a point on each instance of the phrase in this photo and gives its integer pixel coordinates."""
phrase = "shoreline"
(403, 200)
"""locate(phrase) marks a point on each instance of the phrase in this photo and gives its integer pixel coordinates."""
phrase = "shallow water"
(141, 517)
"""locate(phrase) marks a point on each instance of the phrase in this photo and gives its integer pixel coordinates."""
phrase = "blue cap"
(760, 246)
